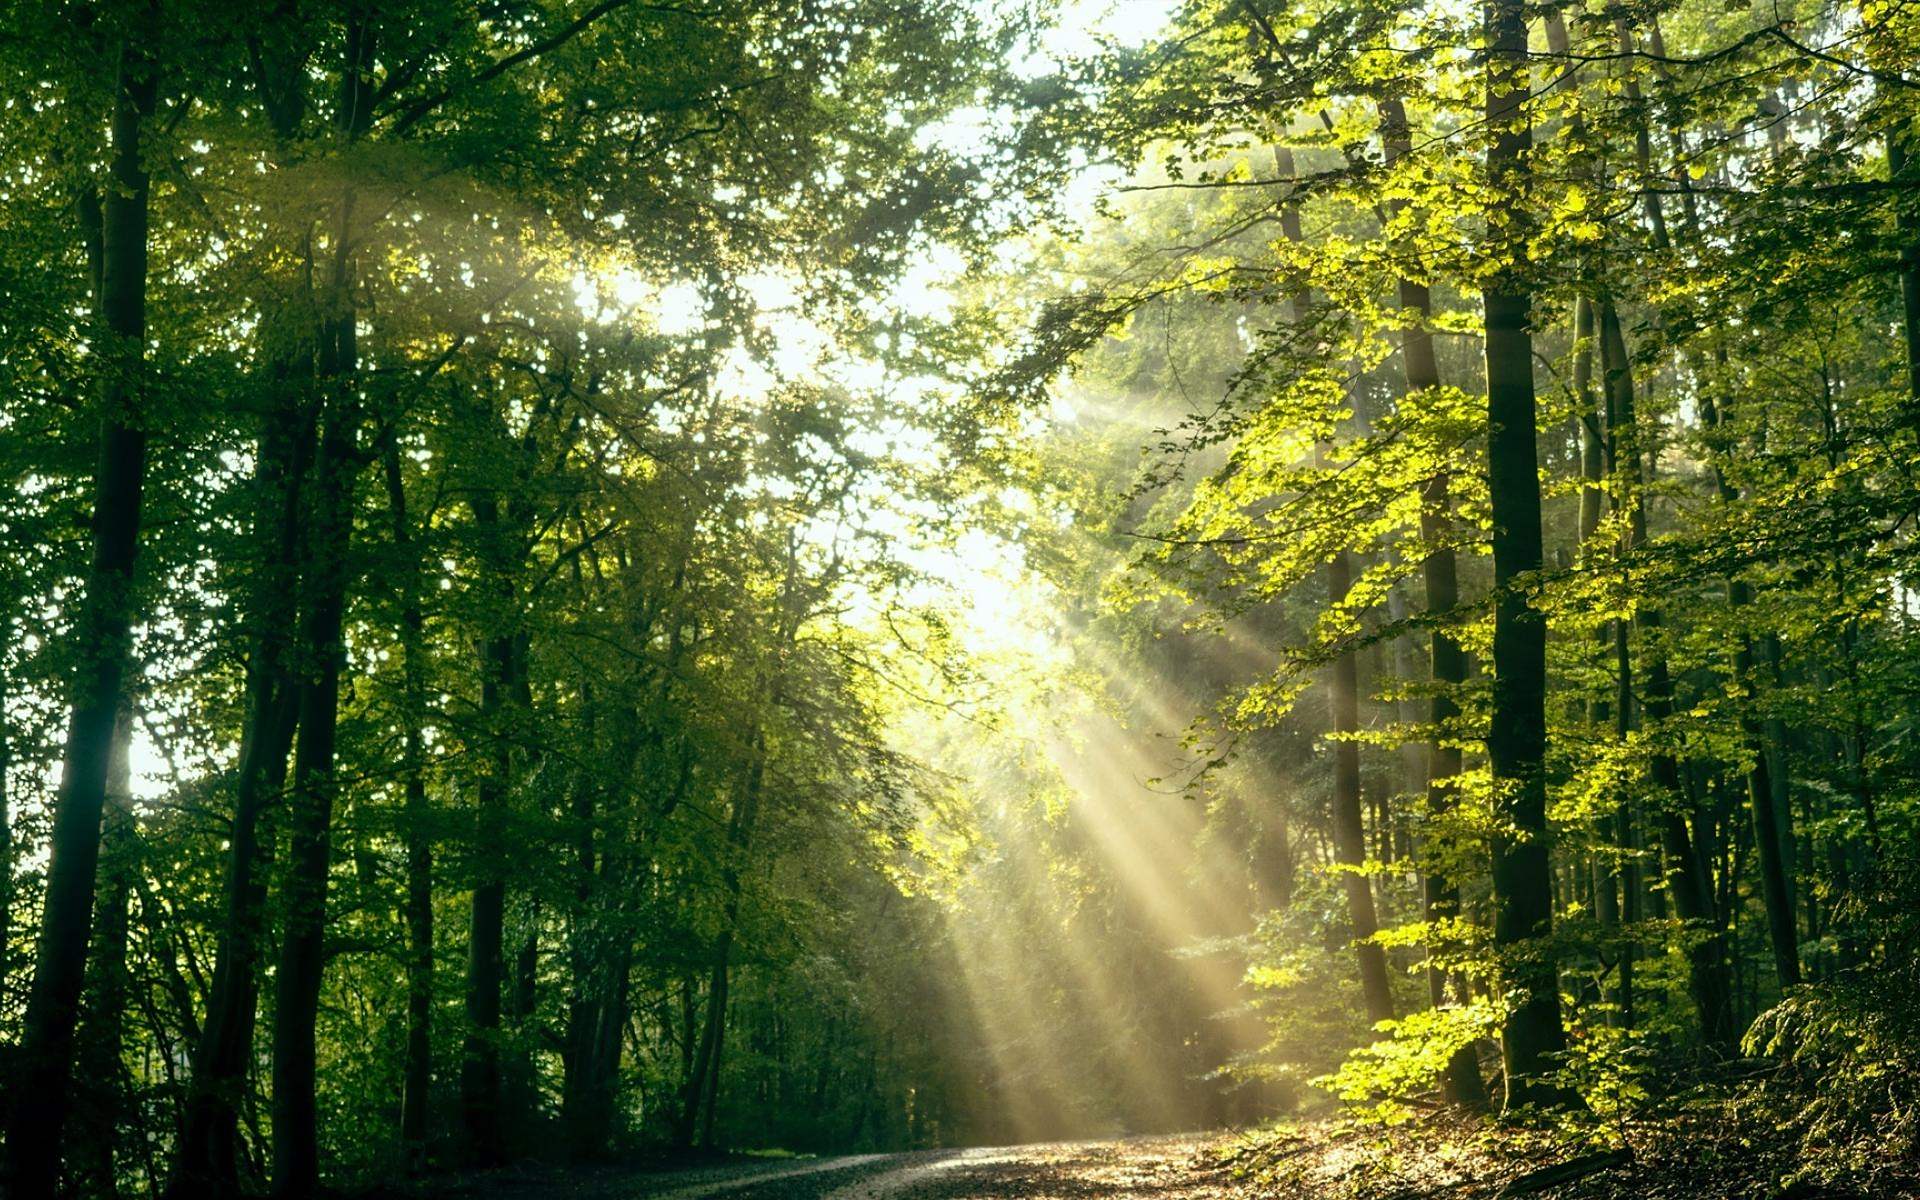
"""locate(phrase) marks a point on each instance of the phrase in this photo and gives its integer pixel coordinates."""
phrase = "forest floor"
(1437, 1159)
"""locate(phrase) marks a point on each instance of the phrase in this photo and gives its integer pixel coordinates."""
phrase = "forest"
(959, 599)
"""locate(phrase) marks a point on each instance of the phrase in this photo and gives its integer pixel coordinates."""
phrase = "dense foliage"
(585, 577)
(1526, 397)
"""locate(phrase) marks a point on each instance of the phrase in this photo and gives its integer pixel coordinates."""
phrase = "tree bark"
(101, 642)
(480, 1078)
(1517, 740)
(104, 1077)
(206, 1159)
(302, 948)
(704, 1080)
(417, 1080)
(1899, 153)
(296, 1149)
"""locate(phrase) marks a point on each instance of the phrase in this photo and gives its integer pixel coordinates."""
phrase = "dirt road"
(1145, 1168)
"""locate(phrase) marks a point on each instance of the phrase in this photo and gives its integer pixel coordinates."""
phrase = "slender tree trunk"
(1616, 889)
(1517, 739)
(302, 948)
(1349, 835)
(702, 1064)
(206, 1158)
(480, 1077)
(296, 1147)
(704, 1080)
(1447, 663)
(1772, 829)
(1687, 879)
(604, 957)
(517, 1097)
(102, 643)
(417, 1080)
(480, 1071)
(1612, 890)
(1899, 159)
(205, 1163)
(417, 1088)
(104, 1076)
(717, 1031)
(1343, 691)
(296, 1153)
(1642, 137)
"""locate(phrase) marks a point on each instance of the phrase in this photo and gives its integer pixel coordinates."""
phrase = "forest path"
(1160, 1168)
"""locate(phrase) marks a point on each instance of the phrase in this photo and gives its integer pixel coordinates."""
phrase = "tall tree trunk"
(104, 1076)
(1687, 879)
(703, 1082)
(1616, 888)
(1517, 739)
(480, 1076)
(1767, 779)
(717, 1031)
(205, 1163)
(296, 1146)
(1907, 223)
(102, 643)
(303, 941)
(206, 1158)
(1343, 698)
(1349, 834)
(1460, 1083)
(694, 1093)
(417, 1079)
(605, 949)
(518, 1099)
(480, 1069)
(1772, 819)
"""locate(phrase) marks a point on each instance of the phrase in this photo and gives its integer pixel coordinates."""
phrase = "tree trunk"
(706, 1064)
(1899, 148)
(206, 1160)
(480, 1070)
(1460, 1083)
(480, 1076)
(104, 1077)
(302, 948)
(296, 1149)
(1517, 740)
(1349, 835)
(102, 643)
(717, 1036)
(1687, 878)
(694, 1093)
(417, 1080)
(1343, 691)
